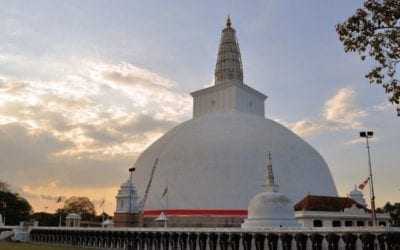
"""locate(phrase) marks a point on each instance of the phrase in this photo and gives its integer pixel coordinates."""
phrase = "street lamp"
(367, 135)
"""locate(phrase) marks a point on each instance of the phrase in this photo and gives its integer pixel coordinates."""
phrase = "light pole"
(367, 135)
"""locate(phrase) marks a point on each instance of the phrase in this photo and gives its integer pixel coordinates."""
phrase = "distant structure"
(357, 196)
(270, 208)
(107, 223)
(73, 220)
(213, 163)
(327, 211)
(128, 204)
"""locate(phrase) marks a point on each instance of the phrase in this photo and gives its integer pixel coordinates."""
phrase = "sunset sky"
(86, 86)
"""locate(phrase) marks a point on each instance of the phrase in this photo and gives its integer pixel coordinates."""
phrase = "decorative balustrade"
(221, 239)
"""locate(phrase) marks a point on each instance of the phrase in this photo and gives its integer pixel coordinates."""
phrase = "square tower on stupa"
(229, 92)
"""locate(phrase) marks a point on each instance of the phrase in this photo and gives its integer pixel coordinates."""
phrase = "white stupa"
(127, 197)
(215, 161)
(270, 208)
(357, 196)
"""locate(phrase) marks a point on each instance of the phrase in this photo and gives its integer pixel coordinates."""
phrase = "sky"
(86, 86)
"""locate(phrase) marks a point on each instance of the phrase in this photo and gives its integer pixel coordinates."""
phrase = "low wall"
(221, 238)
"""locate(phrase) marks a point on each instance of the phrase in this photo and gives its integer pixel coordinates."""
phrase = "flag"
(165, 192)
(59, 199)
(362, 185)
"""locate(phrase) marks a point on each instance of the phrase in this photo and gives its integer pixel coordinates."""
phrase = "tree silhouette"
(14, 208)
(374, 33)
(79, 205)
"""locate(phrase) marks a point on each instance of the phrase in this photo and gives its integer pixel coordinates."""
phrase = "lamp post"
(367, 135)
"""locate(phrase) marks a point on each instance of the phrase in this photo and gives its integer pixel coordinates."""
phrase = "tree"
(45, 219)
(79, 205)
(374, 33)
(103, 216)
(394, 211)
(4, 187)
(14, 208)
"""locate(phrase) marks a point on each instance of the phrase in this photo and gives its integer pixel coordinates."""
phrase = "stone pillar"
(349, 241)
(213, 239)
(333, 241)
(286, 241)
(174, 241)
(165, 238)
(368, 241)
(157, 240)
(235, 241)
(259, 240)
(183, 241)
(223, 241)
(301, 241)
(246, 241)
(192, 241)
(272, 241)
(316, 240)
(203, 241)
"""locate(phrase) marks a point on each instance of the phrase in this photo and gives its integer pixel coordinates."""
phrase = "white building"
(326, 211)
(73, 220)
(127, 197)
(129, 205)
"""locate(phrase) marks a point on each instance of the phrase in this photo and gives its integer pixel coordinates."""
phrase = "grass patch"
(27, 246)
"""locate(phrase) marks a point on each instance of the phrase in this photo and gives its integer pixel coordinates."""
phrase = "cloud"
(306, 128)
(130, 75)
(340, 112)
(78, 131)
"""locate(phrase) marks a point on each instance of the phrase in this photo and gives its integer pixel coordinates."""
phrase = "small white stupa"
(270, 208)
(357, 196)
(127, 197)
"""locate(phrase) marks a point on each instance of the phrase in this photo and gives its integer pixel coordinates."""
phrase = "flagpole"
(371, 186)
(367, 135)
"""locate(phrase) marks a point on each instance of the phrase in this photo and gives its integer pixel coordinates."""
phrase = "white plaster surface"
(270, 209)
(217, 161)
(127, 198)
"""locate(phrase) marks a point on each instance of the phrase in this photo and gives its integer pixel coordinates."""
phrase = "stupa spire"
(228, 21)
(229, 63)
(271, 185)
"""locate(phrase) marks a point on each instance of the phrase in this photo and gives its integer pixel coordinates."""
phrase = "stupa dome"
(217, 161)
(270, 209)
